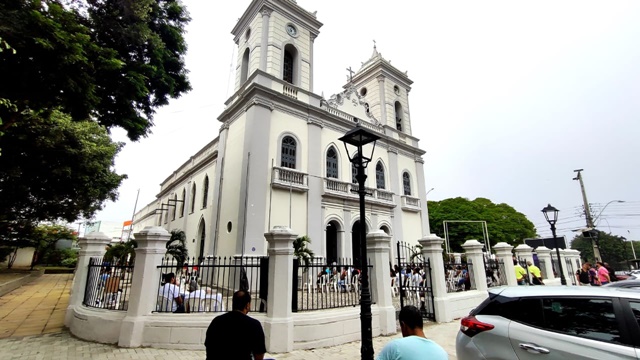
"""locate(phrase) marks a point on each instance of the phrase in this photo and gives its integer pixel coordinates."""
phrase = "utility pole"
(587, 213)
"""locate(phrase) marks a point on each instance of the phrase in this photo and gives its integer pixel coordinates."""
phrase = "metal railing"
(458, 276)
(570, 272)
(108, 285)
(496, 274)
(319, 286)
(208, 284)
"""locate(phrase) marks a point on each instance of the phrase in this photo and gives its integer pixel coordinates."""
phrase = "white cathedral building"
(277, 159)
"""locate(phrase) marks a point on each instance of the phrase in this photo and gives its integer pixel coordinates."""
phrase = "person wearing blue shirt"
(413, 345)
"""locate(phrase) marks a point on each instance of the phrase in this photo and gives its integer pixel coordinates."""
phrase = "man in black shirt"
(235, 335)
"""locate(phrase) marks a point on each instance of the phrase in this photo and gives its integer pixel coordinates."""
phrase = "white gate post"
(378, 246)
(473, 249)
(503, 252)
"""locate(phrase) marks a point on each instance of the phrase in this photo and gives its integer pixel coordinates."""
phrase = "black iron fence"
(496, 274)
(570, 271)
(108, 285)
(318, 286)
(208, 284)
(412, 280)
(458, 277)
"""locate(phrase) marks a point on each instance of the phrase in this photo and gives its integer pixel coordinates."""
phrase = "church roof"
(377, 61)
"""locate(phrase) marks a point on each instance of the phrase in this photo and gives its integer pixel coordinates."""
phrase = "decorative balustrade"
(290, 178)
(333, 187)
(410, 203)
(290, 91)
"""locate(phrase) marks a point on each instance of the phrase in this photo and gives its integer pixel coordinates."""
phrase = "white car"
(552, 323)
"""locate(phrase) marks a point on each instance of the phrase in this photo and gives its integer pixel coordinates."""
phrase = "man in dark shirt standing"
(235, 335)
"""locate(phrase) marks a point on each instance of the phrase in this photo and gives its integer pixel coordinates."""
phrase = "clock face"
(291, 30)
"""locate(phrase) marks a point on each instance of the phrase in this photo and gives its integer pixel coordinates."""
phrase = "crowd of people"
(598, 275)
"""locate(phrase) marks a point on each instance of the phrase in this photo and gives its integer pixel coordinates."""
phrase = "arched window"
(173, 208)
(193, 198)
(406, 183)
(184, 198)
(244, 69)
(289, 67)
(288, 153)
(379, 175)
(398, 116)
(332, 163)
(205, 192)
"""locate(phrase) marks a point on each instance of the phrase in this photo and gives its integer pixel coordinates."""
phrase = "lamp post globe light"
(358, 137)
(551, 214)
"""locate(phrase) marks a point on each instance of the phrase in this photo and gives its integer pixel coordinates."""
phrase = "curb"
(14, 284)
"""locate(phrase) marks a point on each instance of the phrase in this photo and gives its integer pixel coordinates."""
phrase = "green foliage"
(55, 168)
(177, 247)
(301, 250)
(613, 249)
(504, 223)
(70, 262)
(115, 62)
(121, 253)
(58, 257)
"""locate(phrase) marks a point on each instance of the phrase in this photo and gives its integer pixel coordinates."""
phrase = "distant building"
(277, 159)
(116, 230)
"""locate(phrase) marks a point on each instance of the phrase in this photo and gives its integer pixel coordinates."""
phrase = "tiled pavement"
(31, 324)
(35, 308)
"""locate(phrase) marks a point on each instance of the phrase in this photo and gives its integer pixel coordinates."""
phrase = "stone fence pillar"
(278, 327)
(473, 250)
(565, 257)
(524, 251)
(378, 247)
(151, 249)
(544, 255)
(92, 245)
(503, 253)
(432, 250)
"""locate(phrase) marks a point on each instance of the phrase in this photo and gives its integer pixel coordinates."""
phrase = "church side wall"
(231, 188)
(253, 43)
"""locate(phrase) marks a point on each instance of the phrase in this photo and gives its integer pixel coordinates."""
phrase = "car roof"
(624, 283)
(540, 291)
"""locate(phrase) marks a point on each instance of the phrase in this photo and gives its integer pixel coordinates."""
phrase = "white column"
(473, 249)
(524, 251)
(151, 248)
(266, 12)
(503, 253)
(564, 255)
(457, 258)
(92, 245)
(378, 246)
(544, 255)
(383, 103)
(422, 194)
(278, 326)
(432, 250)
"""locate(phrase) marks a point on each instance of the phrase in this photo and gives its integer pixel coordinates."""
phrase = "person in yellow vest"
(536, 274)
(521, 273)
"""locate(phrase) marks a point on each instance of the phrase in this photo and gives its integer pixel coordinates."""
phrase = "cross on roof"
(351, 72)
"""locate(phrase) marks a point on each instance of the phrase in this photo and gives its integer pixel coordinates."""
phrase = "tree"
(301, 251)
(613, 249)
(56, 169)
(114, 62)
(42, 238)
(177, 247)
(121, 253)
(504, 223)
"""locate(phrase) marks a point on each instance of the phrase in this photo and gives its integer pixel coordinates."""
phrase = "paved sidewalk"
(36, 308)
(64, 346)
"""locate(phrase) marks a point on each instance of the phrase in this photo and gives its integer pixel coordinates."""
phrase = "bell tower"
(276, 37)
(386, 92)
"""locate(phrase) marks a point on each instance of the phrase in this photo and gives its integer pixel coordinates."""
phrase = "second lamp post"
(551, 214)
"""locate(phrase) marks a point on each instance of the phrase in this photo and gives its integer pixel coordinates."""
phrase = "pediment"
(350, 102)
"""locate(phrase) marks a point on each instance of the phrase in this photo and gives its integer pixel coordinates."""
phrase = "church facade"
(277, 159)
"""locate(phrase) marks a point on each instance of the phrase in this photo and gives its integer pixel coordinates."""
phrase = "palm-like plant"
(121, 252)
(177, 247)
(301, 251)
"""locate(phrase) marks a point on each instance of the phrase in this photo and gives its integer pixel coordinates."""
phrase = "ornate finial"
(374, 43)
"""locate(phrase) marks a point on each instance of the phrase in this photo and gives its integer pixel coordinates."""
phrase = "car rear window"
(524, 310)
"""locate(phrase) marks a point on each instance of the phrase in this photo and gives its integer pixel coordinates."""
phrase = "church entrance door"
(332, 242)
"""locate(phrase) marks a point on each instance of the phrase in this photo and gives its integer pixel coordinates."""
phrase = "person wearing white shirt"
(171, 292)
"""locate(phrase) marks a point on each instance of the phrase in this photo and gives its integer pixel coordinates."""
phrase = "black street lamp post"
(359, 137)
(551, 214)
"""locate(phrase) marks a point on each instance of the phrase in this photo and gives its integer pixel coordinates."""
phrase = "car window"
(582, 317)
(635, 307)
(524, 310)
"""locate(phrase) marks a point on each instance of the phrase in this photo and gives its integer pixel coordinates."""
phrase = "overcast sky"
(508, 98)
